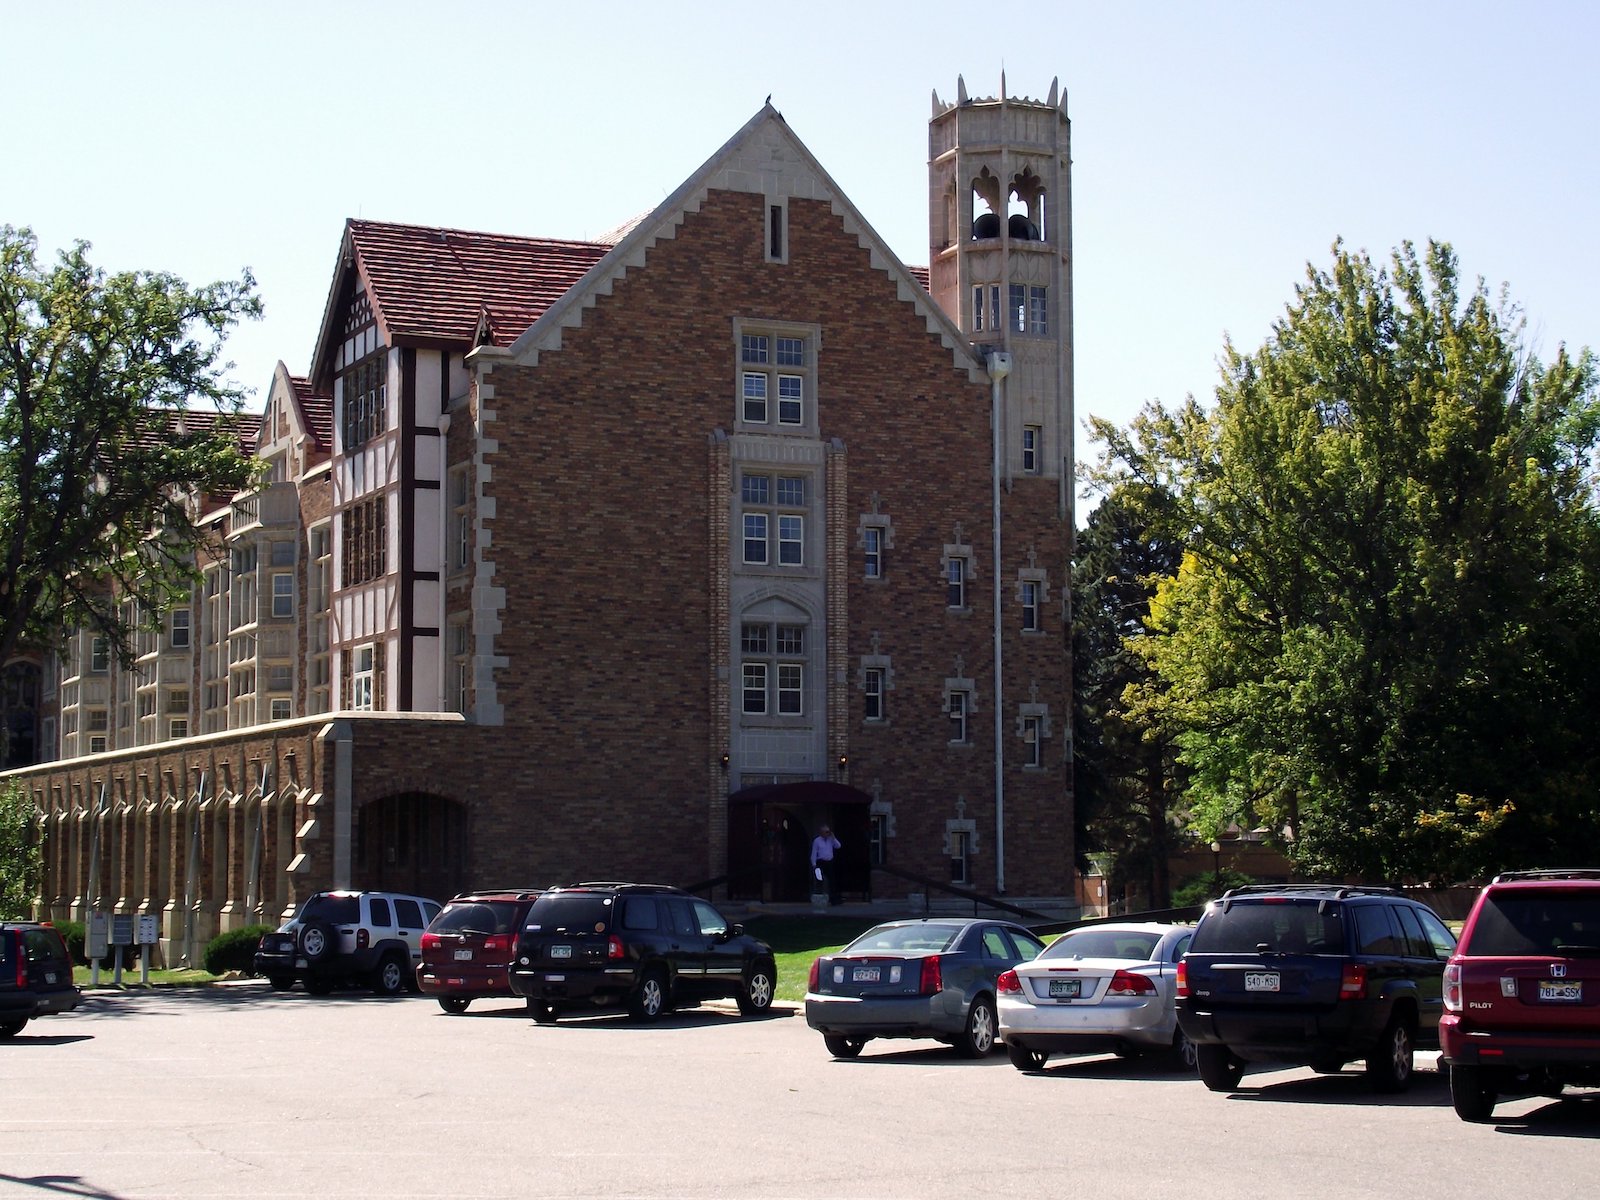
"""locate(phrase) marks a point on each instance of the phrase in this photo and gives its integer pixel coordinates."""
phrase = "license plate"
(1261, 981)
(49, 976)
(301, 963)
(1561, 990)
(1066, 989)
(463, 955)
(865, 975)
(560, 951)
(555, 978)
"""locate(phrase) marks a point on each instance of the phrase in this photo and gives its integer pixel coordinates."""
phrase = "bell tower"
(1000, 260)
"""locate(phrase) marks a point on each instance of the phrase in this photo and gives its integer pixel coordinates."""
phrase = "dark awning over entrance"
(810, 791)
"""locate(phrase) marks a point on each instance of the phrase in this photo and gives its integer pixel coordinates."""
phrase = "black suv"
(35, 975)
(1313, 975)
(648, 947)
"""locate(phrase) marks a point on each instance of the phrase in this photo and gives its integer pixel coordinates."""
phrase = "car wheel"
(1472, 1093)
(977, 1039)
(390, 977)
(843, 1047)
(10, 1029)
(320, 987)
(1219, 1069)
(650, 1000)
(756, 998)
(1183, 1051)
(280, 983)
(454, 1004)
(544, 1014)
(1024, 1059)
(1389, 1066)
(317, 940)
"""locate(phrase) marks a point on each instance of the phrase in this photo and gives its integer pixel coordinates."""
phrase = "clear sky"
(1217, 147)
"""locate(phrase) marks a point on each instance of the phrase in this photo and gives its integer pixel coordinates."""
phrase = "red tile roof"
(160, 425)
(434, 285)
(921, 275)
(316, 410)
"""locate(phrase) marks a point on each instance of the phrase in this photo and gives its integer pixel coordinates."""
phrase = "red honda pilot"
(1522, 991)
(467, 948)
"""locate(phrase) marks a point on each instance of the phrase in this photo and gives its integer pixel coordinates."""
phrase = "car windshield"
(340, 910)
(576, 911)
(477, 916)
(1104, 943)
(1536, 923)
(903, 938)
(1283, 926)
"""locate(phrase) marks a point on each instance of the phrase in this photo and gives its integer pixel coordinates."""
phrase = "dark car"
(35, 975)
(1313, 975)
(929, 978)
(643, 946)
(1522, 992)
(466, 951)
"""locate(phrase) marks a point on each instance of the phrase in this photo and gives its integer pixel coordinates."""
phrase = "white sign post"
(121, 935)
(148, 933)
(95, 937)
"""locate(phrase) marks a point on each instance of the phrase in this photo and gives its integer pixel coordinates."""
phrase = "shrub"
(235, 950)
(1201, 888)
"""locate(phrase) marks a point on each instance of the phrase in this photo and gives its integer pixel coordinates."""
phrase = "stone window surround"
(811, 335)
(877, 662)
(885, 527)
(1046, 732)
(959, 550)
(1041, 577)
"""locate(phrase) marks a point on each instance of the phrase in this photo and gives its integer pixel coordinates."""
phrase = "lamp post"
(1216, 865)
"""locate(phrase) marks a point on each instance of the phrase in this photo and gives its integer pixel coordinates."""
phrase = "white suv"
(372, 938)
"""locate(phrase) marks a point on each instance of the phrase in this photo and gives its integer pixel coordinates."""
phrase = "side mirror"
(737, 930)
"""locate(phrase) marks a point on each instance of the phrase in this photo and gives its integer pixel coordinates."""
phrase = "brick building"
(634, 559)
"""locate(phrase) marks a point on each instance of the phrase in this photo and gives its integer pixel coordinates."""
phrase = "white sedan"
(1097, 988)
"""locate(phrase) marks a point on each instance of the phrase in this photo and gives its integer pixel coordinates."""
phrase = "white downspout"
(999, 364)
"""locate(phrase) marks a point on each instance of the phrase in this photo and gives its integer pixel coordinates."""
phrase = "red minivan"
(1522, 991)
(467, 947)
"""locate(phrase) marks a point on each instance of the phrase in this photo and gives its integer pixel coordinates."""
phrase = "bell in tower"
(1000, 257)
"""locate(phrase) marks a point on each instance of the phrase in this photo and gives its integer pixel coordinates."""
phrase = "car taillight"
(361, 939)
(614, 947)
(816, 973)
(430, 941)
(1008, 982)
(22, 960)
(1353, 981)
(1129, 983)
(1181, 985)
(497, 942)
(932, 975)
(1452, 987)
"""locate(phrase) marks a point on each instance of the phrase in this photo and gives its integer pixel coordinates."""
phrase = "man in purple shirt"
(822, 848)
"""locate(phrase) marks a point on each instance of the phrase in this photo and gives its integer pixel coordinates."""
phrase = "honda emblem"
(1559, 970)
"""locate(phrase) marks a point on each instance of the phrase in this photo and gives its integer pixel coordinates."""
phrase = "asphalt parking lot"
(242, 1091)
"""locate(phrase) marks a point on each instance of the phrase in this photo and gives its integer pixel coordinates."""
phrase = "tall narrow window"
(1028, 591)
(364, 404)
(958, 717)
(1038, 312)
(283, 595)
(872, 686)
(1033, 749)
(775, 233)
(872, 552)
(956, 583)
(1030, 449)
(362, 678)
(99, 655)
(460, 519)
(960, 856)
(178, 629)
(1017, 294)
(461, 654)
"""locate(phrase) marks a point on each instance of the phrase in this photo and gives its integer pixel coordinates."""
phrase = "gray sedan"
(933, 978)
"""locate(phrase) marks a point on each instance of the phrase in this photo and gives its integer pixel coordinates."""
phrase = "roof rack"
(1551, 873)
(1340, 889)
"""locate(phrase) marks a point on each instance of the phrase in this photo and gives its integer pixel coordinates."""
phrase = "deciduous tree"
(1382, 633)
(114, 418)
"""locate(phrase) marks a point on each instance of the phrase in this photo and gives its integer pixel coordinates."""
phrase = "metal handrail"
(976, 898)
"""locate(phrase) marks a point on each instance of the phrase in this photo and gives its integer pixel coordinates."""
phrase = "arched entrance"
(770, 827)
(413, 842)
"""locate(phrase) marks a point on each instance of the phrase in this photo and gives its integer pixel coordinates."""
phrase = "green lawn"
(796, 941)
